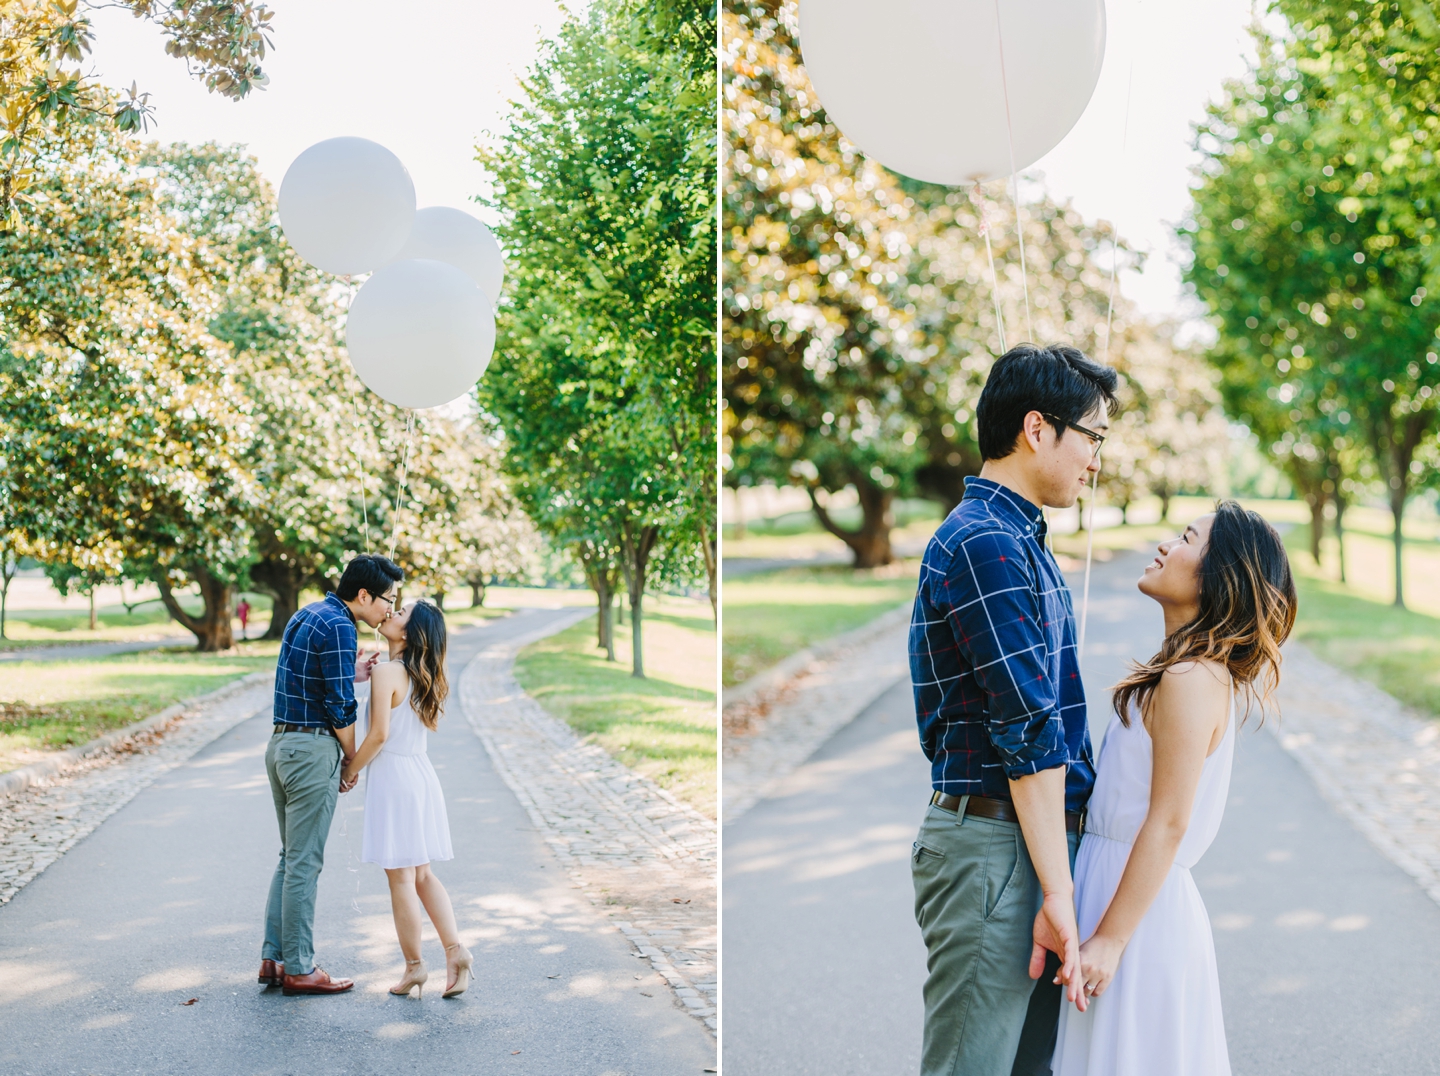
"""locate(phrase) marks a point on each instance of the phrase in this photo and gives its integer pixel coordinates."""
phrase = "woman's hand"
(1099, 957)
(348, 776)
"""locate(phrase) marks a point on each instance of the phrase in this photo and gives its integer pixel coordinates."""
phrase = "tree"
(1311, 229)
(47, 100)
(603, 379)
(312, 456)
(860, 320)
(124, 433)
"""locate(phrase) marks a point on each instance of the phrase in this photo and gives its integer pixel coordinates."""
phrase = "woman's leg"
(405, 905)
(437, 904)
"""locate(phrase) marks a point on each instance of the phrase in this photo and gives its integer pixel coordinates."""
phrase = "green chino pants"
(304, 774)
(976, 897)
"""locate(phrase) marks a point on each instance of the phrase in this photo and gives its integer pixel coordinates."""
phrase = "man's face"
(374, 609)
(1069, 461)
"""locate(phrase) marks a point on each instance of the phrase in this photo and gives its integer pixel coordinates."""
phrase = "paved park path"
(101, 954)
(1328, 952)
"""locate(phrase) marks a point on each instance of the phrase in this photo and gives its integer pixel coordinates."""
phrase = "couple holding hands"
(313, 757)
(1036, 860)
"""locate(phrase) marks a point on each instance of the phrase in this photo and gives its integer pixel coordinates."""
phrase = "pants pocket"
(1002, 870)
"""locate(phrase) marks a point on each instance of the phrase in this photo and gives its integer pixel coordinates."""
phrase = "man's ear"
(1032, 429)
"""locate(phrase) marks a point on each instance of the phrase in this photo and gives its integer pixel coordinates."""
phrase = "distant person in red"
(243, 612)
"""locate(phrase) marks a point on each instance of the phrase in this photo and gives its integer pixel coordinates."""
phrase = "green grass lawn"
(52, 705)
(1356, 627)
(662, 726)
(770, 615)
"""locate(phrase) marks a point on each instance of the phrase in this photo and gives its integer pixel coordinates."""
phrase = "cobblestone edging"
(774, 726)
(1377, 762)
(42, 821)
(623, 839)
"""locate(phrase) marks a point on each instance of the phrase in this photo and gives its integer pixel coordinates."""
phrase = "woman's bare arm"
(1187, 715)
(385, 681)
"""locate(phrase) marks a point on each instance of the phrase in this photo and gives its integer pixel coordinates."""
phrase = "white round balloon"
(916, 83)
(456, 238)
(347, 205)
(420, 333)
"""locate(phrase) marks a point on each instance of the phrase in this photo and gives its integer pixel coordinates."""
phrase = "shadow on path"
(164, 903)
(1327, 951)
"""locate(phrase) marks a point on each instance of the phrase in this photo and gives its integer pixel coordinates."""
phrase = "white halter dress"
(1161, 1013)
(405, 820)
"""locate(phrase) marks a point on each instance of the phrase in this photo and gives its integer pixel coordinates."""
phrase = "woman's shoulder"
(1197, 674)
(390, 674)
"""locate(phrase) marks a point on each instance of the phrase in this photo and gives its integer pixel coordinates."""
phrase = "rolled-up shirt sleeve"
(336, 654)
(991, 599)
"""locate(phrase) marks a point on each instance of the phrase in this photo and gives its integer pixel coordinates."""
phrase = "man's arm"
(996, 612)
(1039, 800)
(337, 650)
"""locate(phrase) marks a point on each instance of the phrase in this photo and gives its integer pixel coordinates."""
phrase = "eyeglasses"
(1098, 439)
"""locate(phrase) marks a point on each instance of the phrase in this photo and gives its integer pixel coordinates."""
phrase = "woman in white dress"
(1151, 990)
(406, 828)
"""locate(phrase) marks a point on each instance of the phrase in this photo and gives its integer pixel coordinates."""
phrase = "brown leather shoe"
(317, 982)
(271, 972)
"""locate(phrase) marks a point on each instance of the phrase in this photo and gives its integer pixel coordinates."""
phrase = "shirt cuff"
(1024, 768)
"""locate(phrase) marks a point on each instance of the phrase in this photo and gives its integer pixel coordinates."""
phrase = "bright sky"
(1174, 58)
(423, 78)
(427, 77)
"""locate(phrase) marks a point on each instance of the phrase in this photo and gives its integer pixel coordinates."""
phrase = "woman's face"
(1173, 577)
(394, 627)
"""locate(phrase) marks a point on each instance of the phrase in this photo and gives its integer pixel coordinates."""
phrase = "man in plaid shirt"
(314, 734)
(1001, 712)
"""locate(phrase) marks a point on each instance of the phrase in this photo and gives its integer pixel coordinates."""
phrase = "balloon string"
(977, 198)
(400, 490)
(1014, 174)
(355, 425)
(1114, 230)
(1089, 556)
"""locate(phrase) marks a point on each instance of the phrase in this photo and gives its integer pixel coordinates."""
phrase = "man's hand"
(1056, 931)
(363, 664)
(349, 775)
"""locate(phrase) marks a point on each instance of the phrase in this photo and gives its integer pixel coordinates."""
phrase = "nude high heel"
(463, 964)
(415, 976)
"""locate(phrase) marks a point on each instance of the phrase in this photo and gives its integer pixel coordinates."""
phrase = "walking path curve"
(103, 949)
(1327, 948)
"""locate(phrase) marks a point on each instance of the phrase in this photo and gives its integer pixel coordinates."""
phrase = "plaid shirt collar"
(334, 599)
(1028, 517)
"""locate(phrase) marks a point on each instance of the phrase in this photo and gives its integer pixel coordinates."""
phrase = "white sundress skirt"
(405, 820)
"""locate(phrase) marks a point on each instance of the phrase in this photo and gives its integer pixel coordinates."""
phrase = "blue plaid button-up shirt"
(992, 653)
(315, 676)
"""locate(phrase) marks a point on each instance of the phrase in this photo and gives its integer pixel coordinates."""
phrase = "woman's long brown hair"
(424, 660)
(1247, 608)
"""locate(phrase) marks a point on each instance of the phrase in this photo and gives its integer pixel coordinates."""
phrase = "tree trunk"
(637, 542)
(439, 597)
(1339, 499)
(870, 545)
(477, 592)
(282, 579)
(91, 595)
(739, 521)
(1399, 494)
(707, 547)
(9, 574)
(600, 573)
(211, 628)
(1316, 501)
(1164, 495)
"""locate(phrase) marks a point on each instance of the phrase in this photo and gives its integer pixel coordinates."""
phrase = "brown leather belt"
(1001, 810)
(317, 730)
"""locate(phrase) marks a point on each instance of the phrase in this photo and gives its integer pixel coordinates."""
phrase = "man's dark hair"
(1058, 381)
(369, 572)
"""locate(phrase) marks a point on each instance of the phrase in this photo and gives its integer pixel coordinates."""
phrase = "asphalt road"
(165, 901)
(1328, 952)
